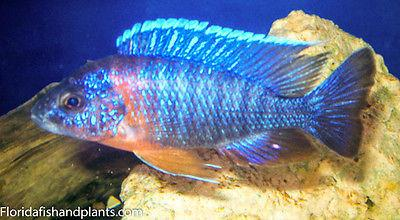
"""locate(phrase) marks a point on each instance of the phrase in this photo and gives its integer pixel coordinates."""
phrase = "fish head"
(83, 106)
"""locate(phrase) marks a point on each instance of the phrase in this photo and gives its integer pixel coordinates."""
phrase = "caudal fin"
(337, 103)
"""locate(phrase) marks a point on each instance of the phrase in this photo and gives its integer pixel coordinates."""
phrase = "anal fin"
(272, 147)
(177, 162)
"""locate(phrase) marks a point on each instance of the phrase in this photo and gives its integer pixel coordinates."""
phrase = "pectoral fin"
(177, 162)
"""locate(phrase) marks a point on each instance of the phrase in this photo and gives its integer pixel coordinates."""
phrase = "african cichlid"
(176, 85)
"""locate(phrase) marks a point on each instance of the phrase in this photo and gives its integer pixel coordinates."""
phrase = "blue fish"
(179, 85)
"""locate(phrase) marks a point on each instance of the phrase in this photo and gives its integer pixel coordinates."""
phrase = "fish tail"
(337, 103)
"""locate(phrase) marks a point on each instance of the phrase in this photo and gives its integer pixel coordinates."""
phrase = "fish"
(175, 86)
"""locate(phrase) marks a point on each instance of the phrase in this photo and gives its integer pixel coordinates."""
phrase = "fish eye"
(72, 101)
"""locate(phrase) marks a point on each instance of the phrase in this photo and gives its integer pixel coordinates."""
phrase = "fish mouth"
(41, 121)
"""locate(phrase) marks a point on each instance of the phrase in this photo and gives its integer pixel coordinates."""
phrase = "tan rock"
(328, 186)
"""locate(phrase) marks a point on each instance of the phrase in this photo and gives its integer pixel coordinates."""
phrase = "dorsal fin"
(272, 60)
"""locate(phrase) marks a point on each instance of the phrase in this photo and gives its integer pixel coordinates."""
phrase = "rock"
(327, 186)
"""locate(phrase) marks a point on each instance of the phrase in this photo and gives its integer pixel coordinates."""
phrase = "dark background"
(43, 41)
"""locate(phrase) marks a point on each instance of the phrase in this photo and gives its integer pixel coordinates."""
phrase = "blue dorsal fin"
(276, 146)
(270, 60)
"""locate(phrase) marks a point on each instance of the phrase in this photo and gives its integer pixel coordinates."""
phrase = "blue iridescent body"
(191, 105)
(177, 85)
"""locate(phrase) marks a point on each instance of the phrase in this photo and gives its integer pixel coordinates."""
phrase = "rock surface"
(327, 186)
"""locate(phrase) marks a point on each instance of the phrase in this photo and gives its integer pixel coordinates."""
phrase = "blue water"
(43, 41)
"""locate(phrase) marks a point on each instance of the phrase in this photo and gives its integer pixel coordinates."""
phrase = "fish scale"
(206, 92)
